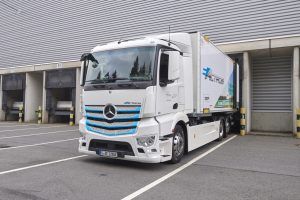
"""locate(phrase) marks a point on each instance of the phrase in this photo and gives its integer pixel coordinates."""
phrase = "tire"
(221, 130)
(178, 145)
(227, 124)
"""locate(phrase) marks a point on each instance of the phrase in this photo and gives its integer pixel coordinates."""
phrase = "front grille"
(123, 148)
(124, 123)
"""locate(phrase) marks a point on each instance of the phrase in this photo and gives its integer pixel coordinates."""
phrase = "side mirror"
(85, 58)
(82, 72)
(174, 65)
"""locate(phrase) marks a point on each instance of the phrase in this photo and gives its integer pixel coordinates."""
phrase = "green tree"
(150, 70)
(99, 75)
(114, 75)
(135, 68)
(142, 71)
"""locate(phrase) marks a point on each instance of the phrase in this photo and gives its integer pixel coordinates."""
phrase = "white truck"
(154, 98)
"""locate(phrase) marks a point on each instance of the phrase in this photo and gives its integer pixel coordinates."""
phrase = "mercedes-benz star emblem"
(109, 111)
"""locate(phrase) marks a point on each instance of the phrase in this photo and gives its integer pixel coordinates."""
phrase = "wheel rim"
(178, 143)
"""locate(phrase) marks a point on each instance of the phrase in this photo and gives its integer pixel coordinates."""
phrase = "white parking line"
(39, 144)
(160, 180)
(40, 165)
(11, 123)
(32, 128)
(14, 125)
(34, 134)
(26, 124)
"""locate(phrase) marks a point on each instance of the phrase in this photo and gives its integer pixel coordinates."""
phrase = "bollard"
(20, 114)
(71, 116)
(298, 124)
(243, 121)
(39, 114)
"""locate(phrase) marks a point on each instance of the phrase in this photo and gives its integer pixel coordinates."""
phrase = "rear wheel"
(178, 144)
(227, 127)
(221, 130)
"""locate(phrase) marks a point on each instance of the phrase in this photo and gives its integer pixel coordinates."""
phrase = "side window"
(163, 70)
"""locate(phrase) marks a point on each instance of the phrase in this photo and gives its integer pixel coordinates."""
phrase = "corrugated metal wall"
(35, 31)
(272, 84)
(272, 94)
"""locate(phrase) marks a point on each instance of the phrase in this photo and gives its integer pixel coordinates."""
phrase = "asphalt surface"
(41, 162)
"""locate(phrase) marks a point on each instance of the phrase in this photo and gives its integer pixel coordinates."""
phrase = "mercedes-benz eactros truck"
(154, 98)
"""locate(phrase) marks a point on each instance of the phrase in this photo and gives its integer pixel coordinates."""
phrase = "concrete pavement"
(249, 167)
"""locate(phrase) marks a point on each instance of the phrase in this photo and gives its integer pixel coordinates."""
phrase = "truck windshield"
(128, 64)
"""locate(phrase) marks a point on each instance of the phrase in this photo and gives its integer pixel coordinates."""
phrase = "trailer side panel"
(216, 79)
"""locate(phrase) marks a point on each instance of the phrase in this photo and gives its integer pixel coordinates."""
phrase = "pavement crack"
(248, 170)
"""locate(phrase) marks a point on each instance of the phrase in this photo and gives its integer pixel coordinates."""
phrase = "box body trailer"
(216, 78)
(154, 98)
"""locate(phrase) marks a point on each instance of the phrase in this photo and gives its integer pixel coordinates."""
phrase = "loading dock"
(266, 79)
(53, 88)
(60, 86)
(259, 54)
(13, 96)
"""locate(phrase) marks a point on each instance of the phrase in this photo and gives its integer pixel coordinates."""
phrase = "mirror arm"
(163, 83)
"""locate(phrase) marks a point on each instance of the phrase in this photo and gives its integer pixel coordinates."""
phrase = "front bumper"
(160, 151)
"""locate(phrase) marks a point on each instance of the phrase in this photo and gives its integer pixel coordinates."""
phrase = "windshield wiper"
(139, 79)
(125, 84)
(129, 84)
(97, 81)
(108, 80)
(116, 79)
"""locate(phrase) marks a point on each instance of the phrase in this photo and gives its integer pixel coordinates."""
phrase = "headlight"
(146, 141)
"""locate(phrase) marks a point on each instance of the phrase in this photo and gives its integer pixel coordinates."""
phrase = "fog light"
(145, 141)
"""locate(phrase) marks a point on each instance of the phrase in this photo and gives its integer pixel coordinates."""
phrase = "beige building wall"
(2, 114)
(44, 111)
(78, 115)
(296, 86)
(33, 95)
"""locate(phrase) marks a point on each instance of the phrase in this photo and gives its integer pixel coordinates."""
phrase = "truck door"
(168, 84)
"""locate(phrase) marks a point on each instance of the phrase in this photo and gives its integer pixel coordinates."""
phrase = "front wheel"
(178, 144)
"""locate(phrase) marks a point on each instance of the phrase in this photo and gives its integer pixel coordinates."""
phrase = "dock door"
(60, 94)
(272, 94)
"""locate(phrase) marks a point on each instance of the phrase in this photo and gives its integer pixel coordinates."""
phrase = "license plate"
(110, 154)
